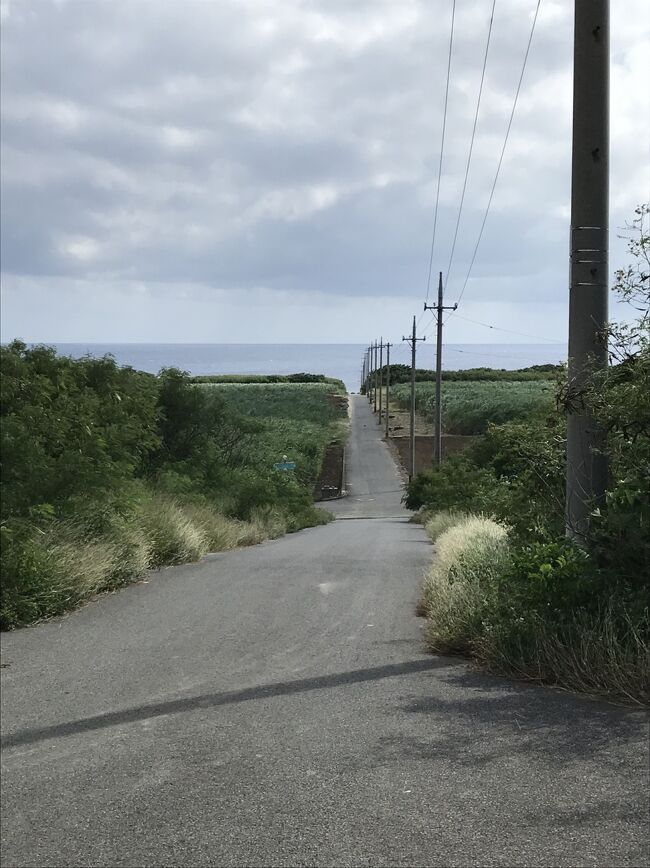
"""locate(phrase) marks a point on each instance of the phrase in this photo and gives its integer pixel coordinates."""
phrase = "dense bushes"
(543, 611)
(270, 378)
(402, 374)
(541, 606)
(107, 471)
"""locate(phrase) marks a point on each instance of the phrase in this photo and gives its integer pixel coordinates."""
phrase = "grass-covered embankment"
(468, 407)
(506, 585)
(108, 472)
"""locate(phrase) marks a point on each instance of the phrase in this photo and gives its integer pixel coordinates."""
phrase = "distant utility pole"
(388, 346)
(376, 375)
(381, 373)
(413, 341)
(437, 430)
(369, 375)
(586, 471)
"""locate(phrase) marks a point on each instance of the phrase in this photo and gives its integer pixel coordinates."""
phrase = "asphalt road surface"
(275, 706)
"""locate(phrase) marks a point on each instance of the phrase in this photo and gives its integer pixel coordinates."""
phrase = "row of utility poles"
(586, 462)
(375, 377)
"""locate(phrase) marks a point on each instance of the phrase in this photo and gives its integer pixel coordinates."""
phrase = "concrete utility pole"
(413, 341)
(437, 429)
(388, 346)
(381, 373)
(586, 471)
(376, 377)
(369, 375)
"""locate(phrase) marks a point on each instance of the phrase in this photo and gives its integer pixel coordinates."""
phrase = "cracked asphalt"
(275, 706)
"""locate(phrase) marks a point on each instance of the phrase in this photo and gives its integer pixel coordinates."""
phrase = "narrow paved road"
(274, 706)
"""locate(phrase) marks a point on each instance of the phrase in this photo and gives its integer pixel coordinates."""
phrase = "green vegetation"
(402, 374)
(507, 587)
(270, 378)
(109, 471)
(539, 611)
(469, 407)
(299, 420)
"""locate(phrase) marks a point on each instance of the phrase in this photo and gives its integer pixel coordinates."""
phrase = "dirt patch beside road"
(330, 482)
(451, 443)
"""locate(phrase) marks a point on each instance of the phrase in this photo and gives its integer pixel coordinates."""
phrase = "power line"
(471, 144)
(442, 148)
(488, 355)
(503, 150)
(510, 331)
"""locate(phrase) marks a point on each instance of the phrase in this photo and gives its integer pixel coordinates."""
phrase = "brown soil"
(330, 482)
(451, 443)
(399, 424)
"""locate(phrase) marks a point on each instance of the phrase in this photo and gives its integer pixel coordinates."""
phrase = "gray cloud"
(294, 147)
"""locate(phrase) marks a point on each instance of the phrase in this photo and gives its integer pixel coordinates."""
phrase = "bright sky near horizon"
(266, 170)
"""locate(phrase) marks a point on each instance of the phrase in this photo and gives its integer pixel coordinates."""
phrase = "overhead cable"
(471, 144)
(503, 150)
(442, 148)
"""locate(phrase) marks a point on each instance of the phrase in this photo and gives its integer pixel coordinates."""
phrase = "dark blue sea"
(334, 360)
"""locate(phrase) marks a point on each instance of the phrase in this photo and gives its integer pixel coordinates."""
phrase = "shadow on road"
(213, 700)
(503, 719)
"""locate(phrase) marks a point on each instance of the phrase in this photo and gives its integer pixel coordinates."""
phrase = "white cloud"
(224, 147)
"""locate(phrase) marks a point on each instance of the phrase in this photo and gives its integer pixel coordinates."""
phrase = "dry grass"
(220, 533)
(174, 538)
(603, 654)
(589, 655)
(436, 523)
(467, 553)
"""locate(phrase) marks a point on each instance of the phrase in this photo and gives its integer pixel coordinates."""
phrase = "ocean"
(334, 360)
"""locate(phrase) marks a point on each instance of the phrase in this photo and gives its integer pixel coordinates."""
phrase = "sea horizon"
(340, 360)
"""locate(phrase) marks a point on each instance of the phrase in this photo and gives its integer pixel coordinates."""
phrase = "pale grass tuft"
(77, 568)
(436, 523)
(455, 587)
(220, 532)
(174, 537)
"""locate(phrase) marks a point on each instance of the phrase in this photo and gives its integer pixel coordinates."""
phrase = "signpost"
(284, 464)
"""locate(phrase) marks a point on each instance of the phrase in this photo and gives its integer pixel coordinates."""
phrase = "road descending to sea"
(275, 705)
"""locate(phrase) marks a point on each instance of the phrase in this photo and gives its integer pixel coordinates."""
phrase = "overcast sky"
(259, 171)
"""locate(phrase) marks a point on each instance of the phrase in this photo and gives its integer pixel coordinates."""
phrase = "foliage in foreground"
(108, 471)
(544, 612)
(548, 609)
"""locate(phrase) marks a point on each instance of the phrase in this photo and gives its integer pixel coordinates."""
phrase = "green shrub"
(544, 612)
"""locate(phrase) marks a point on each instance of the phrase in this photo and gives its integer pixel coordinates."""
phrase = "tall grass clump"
(45, 573)
(458, 586)
(437, 523)
(219, 532)
(175, 538)
(603, 653)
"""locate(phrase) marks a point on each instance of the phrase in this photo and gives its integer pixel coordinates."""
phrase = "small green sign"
(285, 465)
